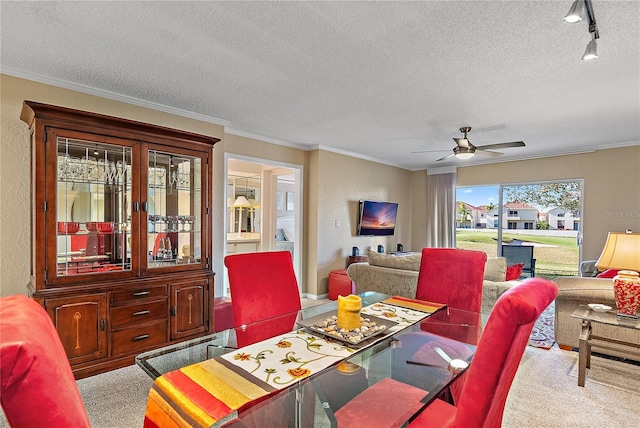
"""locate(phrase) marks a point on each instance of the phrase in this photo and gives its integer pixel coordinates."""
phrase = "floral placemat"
(285, 359)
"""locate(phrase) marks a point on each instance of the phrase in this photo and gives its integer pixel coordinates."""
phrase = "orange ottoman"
(339, 284)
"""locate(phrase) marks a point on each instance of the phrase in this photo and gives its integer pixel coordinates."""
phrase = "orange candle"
(349, 312)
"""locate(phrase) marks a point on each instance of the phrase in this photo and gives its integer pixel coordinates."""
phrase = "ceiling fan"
(465, 150)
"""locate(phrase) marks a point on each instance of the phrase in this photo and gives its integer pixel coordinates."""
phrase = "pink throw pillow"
(609, 273)
(514, 271)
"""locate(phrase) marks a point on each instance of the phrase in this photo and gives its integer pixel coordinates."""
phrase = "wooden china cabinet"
(120, 233)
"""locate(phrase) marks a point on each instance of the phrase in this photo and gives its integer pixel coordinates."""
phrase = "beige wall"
(611, 187)
(343, 181)
(333, 183)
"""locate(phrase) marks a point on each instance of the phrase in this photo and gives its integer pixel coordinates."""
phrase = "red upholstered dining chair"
(263, 287)
(497, 357)
(37, 387)
(452, 276)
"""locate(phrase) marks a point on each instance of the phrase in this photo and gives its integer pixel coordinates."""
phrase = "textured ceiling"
(375, 79)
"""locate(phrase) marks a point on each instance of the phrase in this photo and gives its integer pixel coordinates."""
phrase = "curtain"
(441, 203)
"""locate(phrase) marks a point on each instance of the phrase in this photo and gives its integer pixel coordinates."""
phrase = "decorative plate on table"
(325, 324)
(597, 307)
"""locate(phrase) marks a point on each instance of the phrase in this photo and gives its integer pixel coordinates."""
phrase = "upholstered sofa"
(398, 275)
(575, 291)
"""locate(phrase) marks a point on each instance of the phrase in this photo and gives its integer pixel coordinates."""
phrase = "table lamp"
(622, 251)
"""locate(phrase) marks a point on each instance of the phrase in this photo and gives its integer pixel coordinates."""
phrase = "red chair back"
(452, 276)
(263, 285)
(496, 360)
(37, 387)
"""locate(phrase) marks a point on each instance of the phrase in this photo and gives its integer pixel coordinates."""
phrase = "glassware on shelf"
(168, 250)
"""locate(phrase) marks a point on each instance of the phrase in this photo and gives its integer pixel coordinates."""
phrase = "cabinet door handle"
(136, 206)
(141, 337)
(141, 293)
(103, 324)
(145, 206)
(137, 314)
(173, 311)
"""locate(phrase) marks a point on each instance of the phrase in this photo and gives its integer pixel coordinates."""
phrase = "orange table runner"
(415, 304)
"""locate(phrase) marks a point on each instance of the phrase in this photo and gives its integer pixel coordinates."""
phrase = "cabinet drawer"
(140, 313)
(139, 293)
(139, 338)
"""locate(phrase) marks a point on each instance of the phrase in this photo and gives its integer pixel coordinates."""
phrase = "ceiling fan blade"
(502, 145)
(462, 142)
(446, 157)
(488, 153)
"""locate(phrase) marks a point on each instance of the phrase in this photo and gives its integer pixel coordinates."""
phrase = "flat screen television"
(377, 218)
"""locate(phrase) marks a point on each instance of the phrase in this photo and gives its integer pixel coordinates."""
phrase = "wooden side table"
(588, 316)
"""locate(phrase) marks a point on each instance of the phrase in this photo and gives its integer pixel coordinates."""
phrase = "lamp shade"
(241, 202)
(621, 251)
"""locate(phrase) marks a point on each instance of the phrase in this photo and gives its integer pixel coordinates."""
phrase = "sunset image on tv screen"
(378, 218)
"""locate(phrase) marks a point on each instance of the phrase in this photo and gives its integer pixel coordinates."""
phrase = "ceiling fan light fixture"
(464, 152)
(591, 51)
(576, 12)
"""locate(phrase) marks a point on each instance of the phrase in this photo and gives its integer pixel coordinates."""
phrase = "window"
(543, 214)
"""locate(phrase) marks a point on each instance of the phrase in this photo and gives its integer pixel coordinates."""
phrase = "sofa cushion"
(514, 271)
(609, 273)
(495, 269)
(404, 261)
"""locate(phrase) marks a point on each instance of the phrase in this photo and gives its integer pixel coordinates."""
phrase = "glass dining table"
(278, 372)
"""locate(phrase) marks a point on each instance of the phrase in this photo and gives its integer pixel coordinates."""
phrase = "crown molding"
(110, 95)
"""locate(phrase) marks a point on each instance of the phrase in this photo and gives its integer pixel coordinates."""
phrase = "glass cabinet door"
(93, 207)
(174, 210)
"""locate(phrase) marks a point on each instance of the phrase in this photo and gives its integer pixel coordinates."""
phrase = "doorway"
(264, 209)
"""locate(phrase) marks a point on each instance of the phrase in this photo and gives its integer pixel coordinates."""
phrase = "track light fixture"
(578, 10)
(576, 13)
(590, 52)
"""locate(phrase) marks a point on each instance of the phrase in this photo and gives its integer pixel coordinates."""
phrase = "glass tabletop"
(162, 360)
(609, 317)
(418, 360)
(423, 362)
